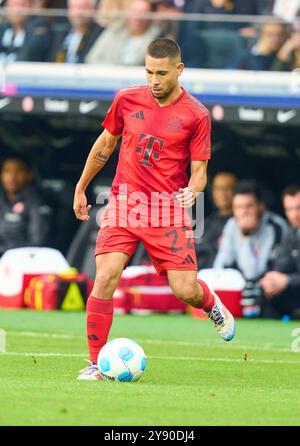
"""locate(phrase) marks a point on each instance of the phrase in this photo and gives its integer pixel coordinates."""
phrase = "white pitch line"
(192, 358)
(263, 347)
(266, 346)
(35, 334)
(71, 355)
(161, 358)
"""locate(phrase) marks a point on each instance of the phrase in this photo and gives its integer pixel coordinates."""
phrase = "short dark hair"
(249, 187)
(225, 172)
(18, 157)
(161, 48)
(291, 190)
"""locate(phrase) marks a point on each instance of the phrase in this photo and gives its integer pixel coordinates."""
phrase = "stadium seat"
(223, 48)
(192, 46)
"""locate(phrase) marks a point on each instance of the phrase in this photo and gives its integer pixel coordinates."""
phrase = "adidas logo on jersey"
(138, 115)
(188, 260)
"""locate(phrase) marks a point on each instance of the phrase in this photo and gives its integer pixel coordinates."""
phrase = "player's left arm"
(187, 195)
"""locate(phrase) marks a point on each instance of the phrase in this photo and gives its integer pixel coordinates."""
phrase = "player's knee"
(105, 279)
(187, 292)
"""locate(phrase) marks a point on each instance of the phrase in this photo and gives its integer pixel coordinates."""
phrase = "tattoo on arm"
(101, 158)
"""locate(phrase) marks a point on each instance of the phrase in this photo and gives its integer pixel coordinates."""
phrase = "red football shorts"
(169, 248)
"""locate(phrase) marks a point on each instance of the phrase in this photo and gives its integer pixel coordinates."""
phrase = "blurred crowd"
(240, 232)
(118, 32)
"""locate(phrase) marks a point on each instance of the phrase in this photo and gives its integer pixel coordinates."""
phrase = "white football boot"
(90, 373)
(222, 319)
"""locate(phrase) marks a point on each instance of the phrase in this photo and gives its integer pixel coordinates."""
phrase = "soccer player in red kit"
(163, 129)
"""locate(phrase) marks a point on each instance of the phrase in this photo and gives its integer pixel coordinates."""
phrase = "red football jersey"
(157, 141)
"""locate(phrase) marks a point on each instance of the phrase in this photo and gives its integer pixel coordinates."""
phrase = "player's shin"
(99, 318)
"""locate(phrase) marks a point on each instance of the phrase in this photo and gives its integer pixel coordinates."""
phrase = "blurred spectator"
(53, 4)
(125, 42)
(281, 286)
(40, 4)
(24, 217)
(107, 7)
(250, 238)
(73, 46)
(288, 57)
(223, 186)
(240, 7)
(49, 4)
(262, 55)
(168, 7)
(23, 38)
(207, 44)
(54, 20)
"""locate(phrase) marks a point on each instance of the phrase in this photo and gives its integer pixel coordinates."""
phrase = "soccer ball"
(122, 359)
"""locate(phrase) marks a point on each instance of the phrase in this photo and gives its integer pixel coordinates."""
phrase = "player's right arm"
(96, 160)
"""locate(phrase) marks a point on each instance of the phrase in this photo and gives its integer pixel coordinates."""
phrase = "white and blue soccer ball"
(122, 359)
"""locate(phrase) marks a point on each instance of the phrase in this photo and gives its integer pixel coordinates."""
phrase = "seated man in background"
(281, 286)
(223, 185)
(24, 38)
(124, 41)
(288, 57)
(24, 218)
(167, 7)
(251, 238)
(262, 55)
(237, 7)
(107, 9)
(73, 46)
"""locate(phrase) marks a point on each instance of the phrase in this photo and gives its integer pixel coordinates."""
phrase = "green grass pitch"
(192, 377)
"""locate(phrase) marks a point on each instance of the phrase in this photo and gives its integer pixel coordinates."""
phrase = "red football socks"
(98, 322)
(208, 300)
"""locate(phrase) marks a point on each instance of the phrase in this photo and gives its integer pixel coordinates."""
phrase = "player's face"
(292, 209)
(162, 76)
(247, 212)
(138, 25)
(273, 36)
(222, 191)
(15, 11)
(14, 176)
(78, 12)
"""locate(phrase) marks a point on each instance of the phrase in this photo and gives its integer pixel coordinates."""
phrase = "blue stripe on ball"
(143, 364)
(125, 377)
(104, 365)
(125, 353)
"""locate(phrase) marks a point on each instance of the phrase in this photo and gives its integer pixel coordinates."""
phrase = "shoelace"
(216, 316)
(90, 368)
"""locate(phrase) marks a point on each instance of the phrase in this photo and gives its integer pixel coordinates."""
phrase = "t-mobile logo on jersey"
(149, 146)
